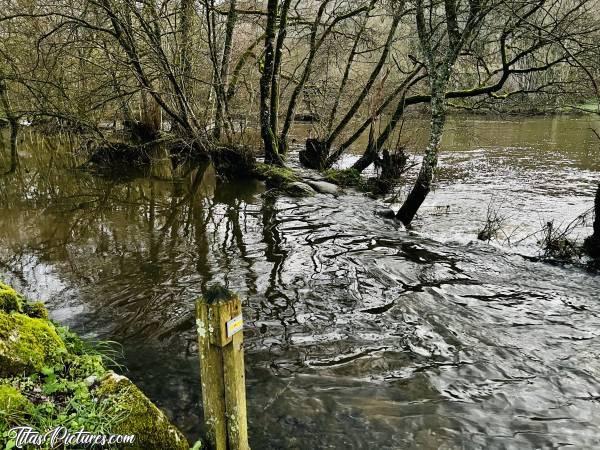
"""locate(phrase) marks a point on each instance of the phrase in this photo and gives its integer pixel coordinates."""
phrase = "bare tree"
(441, 41)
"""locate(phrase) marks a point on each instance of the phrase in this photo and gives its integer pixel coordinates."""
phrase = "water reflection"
(359, 335)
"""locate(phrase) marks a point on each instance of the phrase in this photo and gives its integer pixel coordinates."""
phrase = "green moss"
(27, 344)
(14, 407)
(74, 344)
(36, 310)
(85, 366)
(275, 175)
(141, 417)
(9, 299)
(57, 379)
(345, 177)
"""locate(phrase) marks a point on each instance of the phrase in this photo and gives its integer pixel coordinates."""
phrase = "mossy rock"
(344, 177)
(9, 299)
(275, 176)
(149, 425)
(54, 367)
(14, 407)
(36, 310)
(27, 344)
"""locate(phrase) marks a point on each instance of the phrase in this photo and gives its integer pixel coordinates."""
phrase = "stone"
(298, 189)
(142, 419)
(91, 380)
(324, 187)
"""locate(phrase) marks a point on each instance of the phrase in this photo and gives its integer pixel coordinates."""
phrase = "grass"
(62, 395)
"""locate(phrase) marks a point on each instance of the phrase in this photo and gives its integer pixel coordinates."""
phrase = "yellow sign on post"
(234, 325)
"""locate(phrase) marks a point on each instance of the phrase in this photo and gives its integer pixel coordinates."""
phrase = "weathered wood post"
(219, 323)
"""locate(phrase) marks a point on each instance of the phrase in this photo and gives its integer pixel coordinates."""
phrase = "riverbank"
(50, 379)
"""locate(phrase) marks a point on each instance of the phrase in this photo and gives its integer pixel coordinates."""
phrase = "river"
(358, 334)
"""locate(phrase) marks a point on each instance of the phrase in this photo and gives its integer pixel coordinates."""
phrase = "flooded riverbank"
(359, 333)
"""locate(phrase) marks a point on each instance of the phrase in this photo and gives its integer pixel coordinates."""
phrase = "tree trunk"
(269, 84)
(235, 75)
(222, 105)
(121, 23)
(367, 158)
(370, 155)
(592, 243)
(401, 88)
(14, 156)
(423, 184)
(371, 81)
(265, 84)
(597, 214)
(314, 155)
(314, 47)
(13, 122)
(275, 89)
(349, 63)
(150, 116)
(372, 152)
(186, 25)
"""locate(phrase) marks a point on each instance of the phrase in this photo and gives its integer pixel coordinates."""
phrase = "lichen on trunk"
(422, 185)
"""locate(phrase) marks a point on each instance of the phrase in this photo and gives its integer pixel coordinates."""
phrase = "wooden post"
(219, 324)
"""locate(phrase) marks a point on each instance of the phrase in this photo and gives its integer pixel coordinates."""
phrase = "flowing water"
(359, 334)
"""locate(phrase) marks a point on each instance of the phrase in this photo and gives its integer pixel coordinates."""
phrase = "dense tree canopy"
(232, 72)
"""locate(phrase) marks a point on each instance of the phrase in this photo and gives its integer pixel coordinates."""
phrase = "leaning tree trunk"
(351, 113)
(370, 155)
(439, 71)
(423, 183)
(592, 243)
